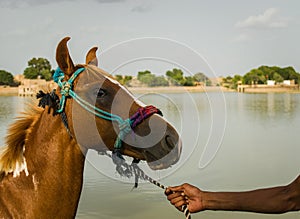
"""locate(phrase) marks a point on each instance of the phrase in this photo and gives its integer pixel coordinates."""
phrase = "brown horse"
(43, 161)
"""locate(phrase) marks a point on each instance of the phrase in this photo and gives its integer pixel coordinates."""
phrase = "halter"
(125, 126)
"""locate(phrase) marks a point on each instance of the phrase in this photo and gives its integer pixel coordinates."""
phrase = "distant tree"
(31, 73)
(146, 78)
(235, 80)
(119, 78)
(255, 76)
(200, 77)
(38, 67)
(6, 78)
(159, 81)
(143, 73)
(232, 82)
(277, 77)
(261, 75)
(127, 78)
(124, 80)
(272, 72)
(292, 74)
(175, 76)
(226, 82)
(188, 81)
(209, 83)
(151, 80)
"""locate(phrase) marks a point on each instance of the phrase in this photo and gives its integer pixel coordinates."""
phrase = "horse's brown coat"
(50, 182)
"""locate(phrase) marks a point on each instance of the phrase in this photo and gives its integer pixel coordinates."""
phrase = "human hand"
(185, 194)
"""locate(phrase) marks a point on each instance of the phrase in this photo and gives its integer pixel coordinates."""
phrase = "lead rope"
(140, 173)
(127, 170)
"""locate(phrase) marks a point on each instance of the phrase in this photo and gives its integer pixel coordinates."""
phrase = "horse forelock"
(12, 159)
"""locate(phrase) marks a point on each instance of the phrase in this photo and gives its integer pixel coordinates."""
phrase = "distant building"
(30, 87)
(19, 78)
(271, 86)
(270, 82)
(289, 82)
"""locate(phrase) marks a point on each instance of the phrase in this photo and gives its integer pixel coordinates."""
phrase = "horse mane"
(12, 158)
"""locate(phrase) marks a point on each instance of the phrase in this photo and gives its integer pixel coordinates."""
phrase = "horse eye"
(101, 93)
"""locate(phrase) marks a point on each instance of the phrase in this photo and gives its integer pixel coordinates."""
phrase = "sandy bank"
(173, 89)
(6, 90)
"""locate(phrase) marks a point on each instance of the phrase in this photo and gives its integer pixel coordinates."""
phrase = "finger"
(168, 191)
(179, 204)
(178, 199)
(176, 188)
(173, 196)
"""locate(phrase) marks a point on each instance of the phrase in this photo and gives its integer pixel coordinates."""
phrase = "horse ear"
(63, 58)
(91, 57)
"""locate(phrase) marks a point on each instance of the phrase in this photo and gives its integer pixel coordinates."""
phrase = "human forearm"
(272, 200)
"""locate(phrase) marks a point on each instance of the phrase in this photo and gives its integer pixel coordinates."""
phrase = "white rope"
(142, 175)
(128, 170)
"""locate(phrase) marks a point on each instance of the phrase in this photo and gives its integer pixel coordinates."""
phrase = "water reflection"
(271, 105)
(260, 149)
(9, 108)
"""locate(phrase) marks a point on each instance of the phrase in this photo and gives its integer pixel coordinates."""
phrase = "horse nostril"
(169, 142)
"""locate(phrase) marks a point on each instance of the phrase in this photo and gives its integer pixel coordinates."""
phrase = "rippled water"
(259, 148)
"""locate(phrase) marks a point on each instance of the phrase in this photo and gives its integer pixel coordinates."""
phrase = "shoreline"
(179, 89)
(13, 91)
(9, 91)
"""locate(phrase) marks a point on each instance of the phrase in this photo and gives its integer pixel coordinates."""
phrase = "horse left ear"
(91, 58)
(63, 57)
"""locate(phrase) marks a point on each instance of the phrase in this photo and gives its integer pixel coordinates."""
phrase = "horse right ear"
(63, 58)
(91, 58)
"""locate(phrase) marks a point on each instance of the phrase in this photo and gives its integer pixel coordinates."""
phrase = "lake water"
(257, 137)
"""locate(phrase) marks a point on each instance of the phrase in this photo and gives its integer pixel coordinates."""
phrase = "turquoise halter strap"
(66, 91)
(124, 125)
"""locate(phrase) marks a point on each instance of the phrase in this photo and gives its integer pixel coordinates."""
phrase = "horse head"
(103, 115)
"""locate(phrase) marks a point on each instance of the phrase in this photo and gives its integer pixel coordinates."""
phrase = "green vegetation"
(124, 80)
(261, 75)
(6, 78)
(232, 82)
(264, 73)
(41, 68)
(38, 67)
(151, 80)
(202, 78)
(175, 76)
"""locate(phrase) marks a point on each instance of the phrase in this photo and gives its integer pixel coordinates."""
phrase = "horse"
(42, 162)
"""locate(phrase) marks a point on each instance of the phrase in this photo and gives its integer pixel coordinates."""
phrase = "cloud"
(269, 19)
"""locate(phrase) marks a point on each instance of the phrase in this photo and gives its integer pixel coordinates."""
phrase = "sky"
(230, 37)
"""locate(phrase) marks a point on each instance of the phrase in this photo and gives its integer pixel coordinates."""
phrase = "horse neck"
(55, 162)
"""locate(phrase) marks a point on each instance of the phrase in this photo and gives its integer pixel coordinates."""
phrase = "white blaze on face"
(140, 103)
